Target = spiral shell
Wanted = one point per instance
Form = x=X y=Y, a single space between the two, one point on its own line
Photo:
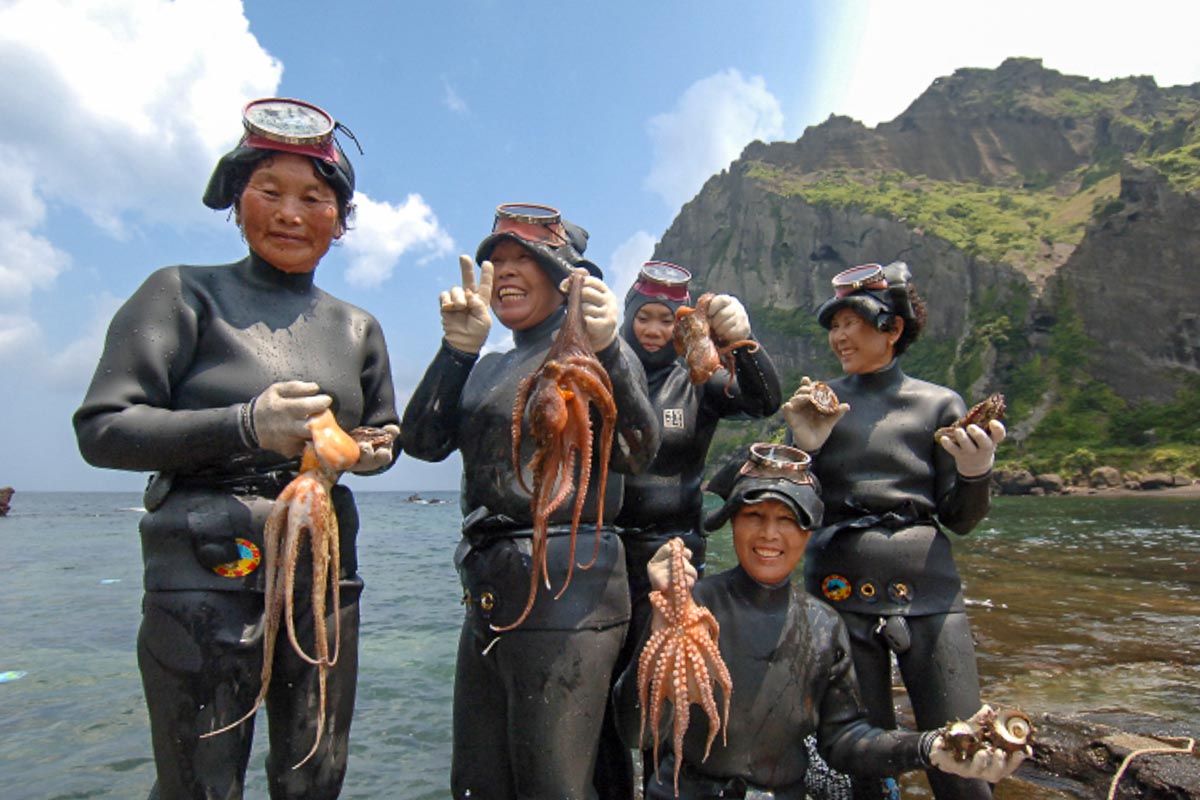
x=1011 y=729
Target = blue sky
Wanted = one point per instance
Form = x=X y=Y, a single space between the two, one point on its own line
x=614 y=112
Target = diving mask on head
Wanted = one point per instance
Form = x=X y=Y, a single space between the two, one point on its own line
x=767 y=471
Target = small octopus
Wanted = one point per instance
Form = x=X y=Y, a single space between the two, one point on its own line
x=304 y=510
x=704 y=354
x=680 y=663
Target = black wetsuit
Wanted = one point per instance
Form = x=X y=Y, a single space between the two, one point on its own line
x=528 y=703
x=183 y=355
x=788 y=656
x=666 y=500
x=890 y=493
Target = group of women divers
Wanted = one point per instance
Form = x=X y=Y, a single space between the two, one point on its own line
x=211 y=375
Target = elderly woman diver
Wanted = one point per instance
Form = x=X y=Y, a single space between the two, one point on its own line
x=215 y=379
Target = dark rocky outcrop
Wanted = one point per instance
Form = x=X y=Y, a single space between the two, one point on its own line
x=1108 y=254
x=6 y=493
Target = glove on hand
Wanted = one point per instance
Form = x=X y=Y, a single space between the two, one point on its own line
x=810 y=428
x=600 y=311
x=973 y=448
x=988 y=763
x=281 y=415
x=465 y=317
x=728 y=319
x=372 y=458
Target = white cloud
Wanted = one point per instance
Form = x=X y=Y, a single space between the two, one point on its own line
x=626 y=260
x=384 y=232
x=894 y=51
x=452 y=99
x=713 y=121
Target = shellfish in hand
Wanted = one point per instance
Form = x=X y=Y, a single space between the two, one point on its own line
x=558 y=395
x=304 y=511
x=980 y=414
x=989 y=745
x=700 y=347
x=681 y=663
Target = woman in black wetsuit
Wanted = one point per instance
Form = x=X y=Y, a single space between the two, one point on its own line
x=665 y=500
x=882 y=557
x=528 y=703
x=207 y=378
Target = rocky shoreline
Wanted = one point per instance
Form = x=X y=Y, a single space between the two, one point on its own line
x=1101 y=480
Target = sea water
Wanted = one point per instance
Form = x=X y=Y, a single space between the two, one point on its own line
x=1078 y=603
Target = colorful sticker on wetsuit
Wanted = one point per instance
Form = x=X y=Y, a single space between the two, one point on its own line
x=249 y=561
x=835 y=587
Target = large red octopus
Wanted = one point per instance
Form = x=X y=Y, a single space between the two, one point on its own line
x=695 y=341
x=304 y=510
x=556 y=397
x=680 y=663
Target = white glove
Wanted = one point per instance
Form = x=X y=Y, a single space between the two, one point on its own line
x=973 y=448
x=600 y=312
x=810 y=428
x=372 y=457
x=280 y=415
x=728 y=319
x=465 y=317
x=658 y=568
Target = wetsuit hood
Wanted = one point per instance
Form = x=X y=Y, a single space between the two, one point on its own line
x=741 y=481
x=232 y=172
x=556 y=261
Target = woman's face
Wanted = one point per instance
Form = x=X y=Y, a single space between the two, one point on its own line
x=768 y=540
x=654 y=327
x=522 y=294
x=288 y=214
x=860 y=346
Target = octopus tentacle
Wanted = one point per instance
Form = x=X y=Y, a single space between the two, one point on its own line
x=556 y=400
x=680 y=663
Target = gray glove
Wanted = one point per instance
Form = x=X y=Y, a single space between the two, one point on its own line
x=465 y=317
x=373 y=458
x=599 y=306
x=810 y=428
x=728 y=319
x=280 y=415
x=973 y=448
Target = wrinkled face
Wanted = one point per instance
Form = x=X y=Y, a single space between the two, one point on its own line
x=768 y=540
x=523 y=295
x=860 y=346
x=288 y=213
x=654 y=327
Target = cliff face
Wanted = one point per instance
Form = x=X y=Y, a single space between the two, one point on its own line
x=1020 y=198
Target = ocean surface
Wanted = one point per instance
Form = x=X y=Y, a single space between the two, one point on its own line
x=1078 y=603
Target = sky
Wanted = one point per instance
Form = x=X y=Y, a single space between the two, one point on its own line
x=115 y=112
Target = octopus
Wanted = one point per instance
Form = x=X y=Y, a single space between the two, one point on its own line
x=823 y=398
x=304 y=511
x=980 y=414
x=703 y=351
x=681 y=663
x=557 y=397
x=1004 y=728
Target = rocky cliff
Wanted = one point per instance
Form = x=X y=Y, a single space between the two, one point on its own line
x=1050 y=221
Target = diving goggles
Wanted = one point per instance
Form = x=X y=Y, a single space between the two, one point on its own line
x=531 y=222
x=769 y=460
x=866 y=276
x=292 y=126
x=663 y=279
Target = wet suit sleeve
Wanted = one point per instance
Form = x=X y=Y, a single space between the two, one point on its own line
x=962 y=502
x=755 y=389
x=126 y=420
x=844 y=737
x=379 y=395
x=638 y=431
x=429 y=430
